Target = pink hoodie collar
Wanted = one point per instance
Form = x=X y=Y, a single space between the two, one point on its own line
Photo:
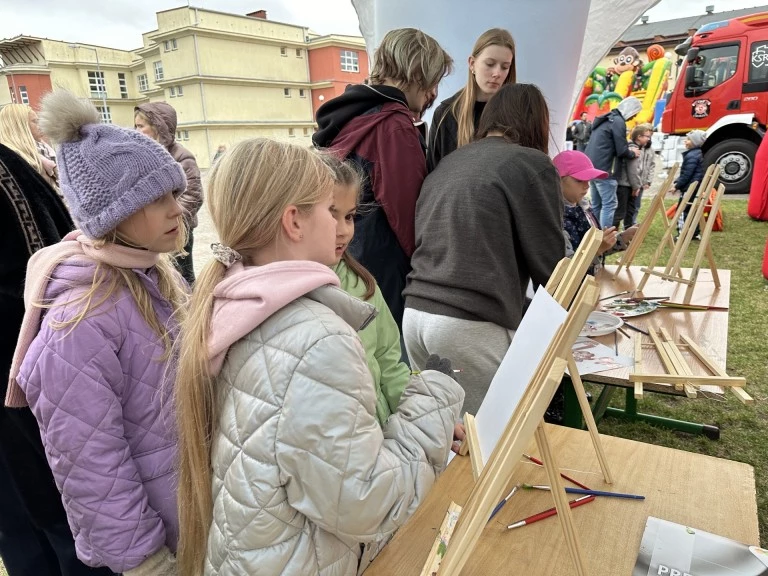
x=248 y=296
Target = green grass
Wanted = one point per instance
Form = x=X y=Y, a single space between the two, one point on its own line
x=744 y=429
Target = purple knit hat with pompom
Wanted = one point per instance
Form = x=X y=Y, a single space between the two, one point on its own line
x=107 y=173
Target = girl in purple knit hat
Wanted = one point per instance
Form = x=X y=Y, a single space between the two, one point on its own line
x=94 y=356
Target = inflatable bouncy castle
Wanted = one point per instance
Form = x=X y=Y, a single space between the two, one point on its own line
x=629 y=76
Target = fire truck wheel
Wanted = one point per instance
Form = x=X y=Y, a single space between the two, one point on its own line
x=736 y=158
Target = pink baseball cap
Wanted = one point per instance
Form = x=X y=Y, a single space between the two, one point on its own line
x=577 y=165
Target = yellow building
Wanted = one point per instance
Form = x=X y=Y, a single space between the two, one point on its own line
x=228 y=76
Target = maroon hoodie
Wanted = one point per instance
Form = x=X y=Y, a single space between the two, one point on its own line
x=373 y=126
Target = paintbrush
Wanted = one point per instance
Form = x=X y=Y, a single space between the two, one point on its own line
x=683 y=306
x=635 y=328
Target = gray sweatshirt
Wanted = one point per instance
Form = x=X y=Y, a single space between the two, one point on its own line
x=488 y=219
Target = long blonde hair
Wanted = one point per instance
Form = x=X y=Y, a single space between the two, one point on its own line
x=248 y=190
x=107 y=280
x=16 y=134
x=463 y=108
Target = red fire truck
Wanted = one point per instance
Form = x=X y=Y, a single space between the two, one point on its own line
x=723 y=89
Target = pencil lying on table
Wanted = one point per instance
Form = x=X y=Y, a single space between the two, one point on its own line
x=570 y=490
x=550 y=512
x=690 y=306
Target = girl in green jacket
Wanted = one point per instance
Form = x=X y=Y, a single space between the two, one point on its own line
x=380 y=338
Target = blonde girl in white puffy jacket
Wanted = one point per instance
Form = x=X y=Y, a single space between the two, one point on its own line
x=284 y=469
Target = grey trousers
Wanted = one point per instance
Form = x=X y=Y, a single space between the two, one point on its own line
x=476 y=348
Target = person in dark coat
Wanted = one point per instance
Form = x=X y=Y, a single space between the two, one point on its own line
x=373 y=126
x=35 y=538
x=606 y=149
x=582 y=130
x=691 y=171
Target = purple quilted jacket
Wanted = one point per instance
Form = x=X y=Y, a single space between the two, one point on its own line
x=103 y=401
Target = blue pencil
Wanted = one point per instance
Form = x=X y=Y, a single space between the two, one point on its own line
x=570 y=490
x=500 y=505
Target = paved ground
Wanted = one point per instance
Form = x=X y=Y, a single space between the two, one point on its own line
x=205 y=233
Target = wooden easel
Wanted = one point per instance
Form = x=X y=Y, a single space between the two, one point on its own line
x=672 y=271
x=679 y=373
x=565 y=280
x=526 y=422
x=657 y=206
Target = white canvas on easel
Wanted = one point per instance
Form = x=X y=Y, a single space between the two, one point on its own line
x=536 y=331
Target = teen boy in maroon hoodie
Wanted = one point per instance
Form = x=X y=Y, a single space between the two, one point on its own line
x=373 y=125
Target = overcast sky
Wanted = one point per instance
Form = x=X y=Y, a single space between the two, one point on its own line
x=120 y=23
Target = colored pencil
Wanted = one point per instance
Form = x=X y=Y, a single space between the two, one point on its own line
x=570 y=490
x=563 y=476
x=614 y=295
x=690 y=306
x=550 y=512
x=500 y=505
x=635 y=328
x=624 y=332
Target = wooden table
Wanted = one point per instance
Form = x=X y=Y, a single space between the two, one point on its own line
x=699 y=491
x=708 y=328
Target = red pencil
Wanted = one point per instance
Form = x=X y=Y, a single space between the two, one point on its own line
x=550 y=512
x=571 y=480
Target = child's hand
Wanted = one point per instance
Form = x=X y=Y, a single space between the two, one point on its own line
x=609 y=239
x=459 y=433
x=628 y=234
x=636 y=193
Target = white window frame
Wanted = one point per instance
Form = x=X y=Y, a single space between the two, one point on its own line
x=143 y=81
x=179 y=91
x=287 y=92
x=174 y=44
x=105 y=113
x=299 y=53
x=291 y=133
x=350 y=61
x=157 y=65
x=172 y=91
x=284 y=51
x=185 y=133
x=123 y=85
x=167 y=46
x=24 y=94
x=96 y=80
x=302 y=93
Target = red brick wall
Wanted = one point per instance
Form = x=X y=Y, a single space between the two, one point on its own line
x=36 y=85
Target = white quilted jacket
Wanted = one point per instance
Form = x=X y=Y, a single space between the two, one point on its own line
x=305 y=479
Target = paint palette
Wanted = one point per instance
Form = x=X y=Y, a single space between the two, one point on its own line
x=600 y=324
x=626 y=307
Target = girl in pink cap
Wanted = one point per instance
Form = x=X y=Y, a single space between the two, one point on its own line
x=576 y=171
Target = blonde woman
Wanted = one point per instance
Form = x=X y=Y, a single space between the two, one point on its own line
x=94 y=350
x=373 y=125
x=275 y=401
x=491 y=66
x=20 y=133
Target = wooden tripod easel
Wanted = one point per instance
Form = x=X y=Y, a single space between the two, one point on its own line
x=656 y=206
x=526 y=422
x=563 y=284
x=673 y=269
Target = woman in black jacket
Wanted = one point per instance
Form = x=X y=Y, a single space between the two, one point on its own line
x=491 y=66
x=35 y=538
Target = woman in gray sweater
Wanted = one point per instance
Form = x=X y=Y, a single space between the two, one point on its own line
x=488 y=220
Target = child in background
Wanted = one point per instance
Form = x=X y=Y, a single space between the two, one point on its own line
x=380 y=338
x=691 y=171
x=284 y=466
x=94 y=353
x=634 y=176
x=576 y=171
